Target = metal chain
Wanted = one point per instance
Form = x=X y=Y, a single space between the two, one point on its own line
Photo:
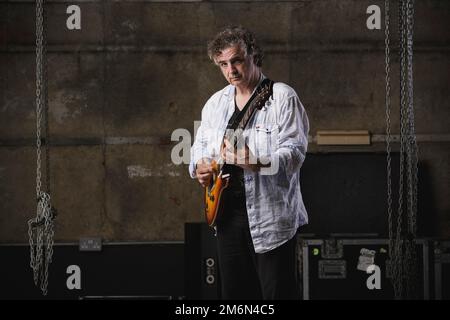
x=39 y=81
x=412 y=136
x=41 y=227
x=399 y=243
x=388 y=123
x=410 y=250
x=45 y=98
x=34 y=256
x=393 y=242
x=402 y=250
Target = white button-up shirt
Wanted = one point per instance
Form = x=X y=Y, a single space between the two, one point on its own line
x=278 y=133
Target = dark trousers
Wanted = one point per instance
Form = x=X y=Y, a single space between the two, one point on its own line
x=246 y=274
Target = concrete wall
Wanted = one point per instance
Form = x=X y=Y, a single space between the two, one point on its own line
x=137 y=70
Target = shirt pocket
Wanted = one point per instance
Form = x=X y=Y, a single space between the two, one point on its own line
x=266 y=136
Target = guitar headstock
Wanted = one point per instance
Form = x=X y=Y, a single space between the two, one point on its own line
x=262 y=96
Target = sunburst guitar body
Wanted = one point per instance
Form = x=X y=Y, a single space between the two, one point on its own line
x=213 y=194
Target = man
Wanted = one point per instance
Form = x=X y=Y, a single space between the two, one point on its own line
x=263 y=206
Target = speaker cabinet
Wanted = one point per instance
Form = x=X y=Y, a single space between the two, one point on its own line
x=201 y=264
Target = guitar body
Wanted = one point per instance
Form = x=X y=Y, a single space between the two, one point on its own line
x=213 y=195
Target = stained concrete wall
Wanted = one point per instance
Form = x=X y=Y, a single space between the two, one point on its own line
x=137 y=70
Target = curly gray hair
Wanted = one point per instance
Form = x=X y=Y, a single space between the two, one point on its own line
x=235 y=35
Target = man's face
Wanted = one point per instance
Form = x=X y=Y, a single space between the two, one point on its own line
x=235 y=66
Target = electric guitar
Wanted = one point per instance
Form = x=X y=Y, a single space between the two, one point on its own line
x=221 y=176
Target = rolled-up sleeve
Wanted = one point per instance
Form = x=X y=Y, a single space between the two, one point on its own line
x=292 y=137
x=200 y=147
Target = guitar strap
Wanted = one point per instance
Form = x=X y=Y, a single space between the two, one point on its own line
x=244 y=116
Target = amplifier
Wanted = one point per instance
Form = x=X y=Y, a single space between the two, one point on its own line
x=119 y=270
x=346 y=192
x=354 y=269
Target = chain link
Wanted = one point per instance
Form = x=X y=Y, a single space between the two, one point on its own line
x=41 y=228
x=392 y=248
x=39 y=82
x=45 y=98
x=411 y=256
x=399 y=257
x=388 y=116
x=402 y=250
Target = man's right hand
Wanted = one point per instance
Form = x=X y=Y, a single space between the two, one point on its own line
x=204 y=171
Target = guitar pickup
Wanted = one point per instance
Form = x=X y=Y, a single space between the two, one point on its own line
x=226 y=176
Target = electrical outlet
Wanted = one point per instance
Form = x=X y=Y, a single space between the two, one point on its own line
x=90 y=244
